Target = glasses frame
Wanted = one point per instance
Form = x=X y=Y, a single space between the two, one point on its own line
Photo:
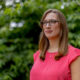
x=44 y=23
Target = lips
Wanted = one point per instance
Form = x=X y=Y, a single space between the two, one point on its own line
x=48 y=31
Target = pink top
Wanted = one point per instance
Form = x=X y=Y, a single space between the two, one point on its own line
x=50 y=69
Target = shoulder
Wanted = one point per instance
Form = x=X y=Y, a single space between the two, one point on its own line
x=73 y=50
x=73 y=54
x=36 y=54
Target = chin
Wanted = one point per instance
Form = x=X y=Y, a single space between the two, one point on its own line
x=52 y=36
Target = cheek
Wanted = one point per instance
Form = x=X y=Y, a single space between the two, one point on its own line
x=56 y=29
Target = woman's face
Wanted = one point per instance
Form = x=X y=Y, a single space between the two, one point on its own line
x=51 y=26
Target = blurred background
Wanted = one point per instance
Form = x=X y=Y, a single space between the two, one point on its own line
x=19 y=32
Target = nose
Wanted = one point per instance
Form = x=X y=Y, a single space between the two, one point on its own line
x=47 y=25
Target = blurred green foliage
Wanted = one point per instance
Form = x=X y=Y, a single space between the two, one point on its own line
x=18 y=43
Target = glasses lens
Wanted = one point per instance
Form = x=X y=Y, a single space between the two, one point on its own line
x=51 y=22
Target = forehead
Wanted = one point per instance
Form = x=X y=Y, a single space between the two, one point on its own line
x=51 y=16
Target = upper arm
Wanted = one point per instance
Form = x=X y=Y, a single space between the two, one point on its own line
x=75 y=69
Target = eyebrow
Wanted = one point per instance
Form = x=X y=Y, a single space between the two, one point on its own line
x=50 y=19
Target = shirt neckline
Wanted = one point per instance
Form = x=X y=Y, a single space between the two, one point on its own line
x=55 y=52
x=52 y=52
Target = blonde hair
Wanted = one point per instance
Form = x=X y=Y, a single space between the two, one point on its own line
x=44 y=42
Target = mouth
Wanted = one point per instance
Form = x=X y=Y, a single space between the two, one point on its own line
x=48 y=31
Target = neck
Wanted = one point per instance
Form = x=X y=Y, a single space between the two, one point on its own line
x=53 y=44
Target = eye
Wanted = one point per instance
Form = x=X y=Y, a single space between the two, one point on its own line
x=53 y=21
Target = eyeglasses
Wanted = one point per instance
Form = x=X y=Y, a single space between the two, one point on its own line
x=50 y=22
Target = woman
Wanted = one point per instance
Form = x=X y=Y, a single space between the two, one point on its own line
x=55 y=59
